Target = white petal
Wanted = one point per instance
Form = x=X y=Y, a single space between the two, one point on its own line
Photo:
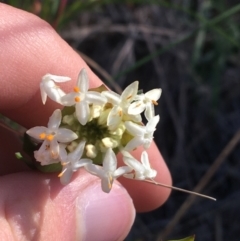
x=114 y=117
x=54 y=149
x=136 y=118
x=78 y=152
x=63 y=154
x=69 y=99
x=65 y=135
x=130 y=176
x=151 y=125
x=136 y=108
x=110 y=161
x=80 y=163
x=149 y=111
x=51 y=90
x=82 y=81
x=82 y=112
x=130 y=92
x=112 y=97
x=121 y=171
x=134 y=143
x=95 y=170
x=147 y=143
x=95 y=98
x=36 y=131
x=56 y=78
x=55 y=120
x=106 y=184
x=66 y=175
x=43 y=94
x=145 y=160
x=135 y=129
x=154 y=94
x=133 y=163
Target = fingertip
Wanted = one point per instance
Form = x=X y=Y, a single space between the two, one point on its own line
x=31 y=48
x=37 y=206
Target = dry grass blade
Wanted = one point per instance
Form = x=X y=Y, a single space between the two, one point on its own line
x=101 y=71
x=202 y=183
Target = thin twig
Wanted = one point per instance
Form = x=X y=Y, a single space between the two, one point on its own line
x=78 y=33
x=179 y=189
x=202 y=183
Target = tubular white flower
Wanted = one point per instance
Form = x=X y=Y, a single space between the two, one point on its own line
x=109 y=171
x=143 y=135
x=145 y=102
x=142 y=170
x=120 y=105
x=81 y=98
x=50 y=89
x=51 y=136
x=72 y=162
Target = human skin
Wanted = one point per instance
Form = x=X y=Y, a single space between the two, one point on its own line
x=35 y=206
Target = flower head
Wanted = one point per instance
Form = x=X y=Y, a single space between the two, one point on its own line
x=143 y=135
x=81 y=98
x=51 y=137
x=50 y=89
x=142 y=170
x=109 y=171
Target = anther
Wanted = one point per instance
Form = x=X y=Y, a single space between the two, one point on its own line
x=76 y=89
x=61 y=174
x=77 y=99
x=42 y=136
x=154 y=102
x=50 y=137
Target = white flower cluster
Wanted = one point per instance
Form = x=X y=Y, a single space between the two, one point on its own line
x=94 y=125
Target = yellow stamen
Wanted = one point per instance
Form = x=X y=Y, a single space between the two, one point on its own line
x=50 y=137
x=76 y=89
x=110 y=181
x=61 y=174
x=138 y=105
x=77 y=99
x=130 y=96
x=154 y=102
x=42 y=136
x=120 y=113
x=65 y=163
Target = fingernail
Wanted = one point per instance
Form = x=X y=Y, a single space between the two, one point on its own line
x=104 y=216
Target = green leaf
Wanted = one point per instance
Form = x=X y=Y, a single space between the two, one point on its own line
x=99 y=89
x=55 y=167
x=190 y=238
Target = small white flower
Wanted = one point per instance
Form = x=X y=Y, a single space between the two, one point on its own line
x=51 y=136
x=72 y=162
x=145 y=102
x=120 y=105
x=50 y=89
x=142 y=170
x=143 y=135
x=109 y=171
x=81 y=98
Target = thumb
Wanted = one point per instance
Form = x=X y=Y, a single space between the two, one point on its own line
x=37 y=207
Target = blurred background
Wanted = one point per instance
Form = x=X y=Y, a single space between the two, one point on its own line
x=190 y=49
